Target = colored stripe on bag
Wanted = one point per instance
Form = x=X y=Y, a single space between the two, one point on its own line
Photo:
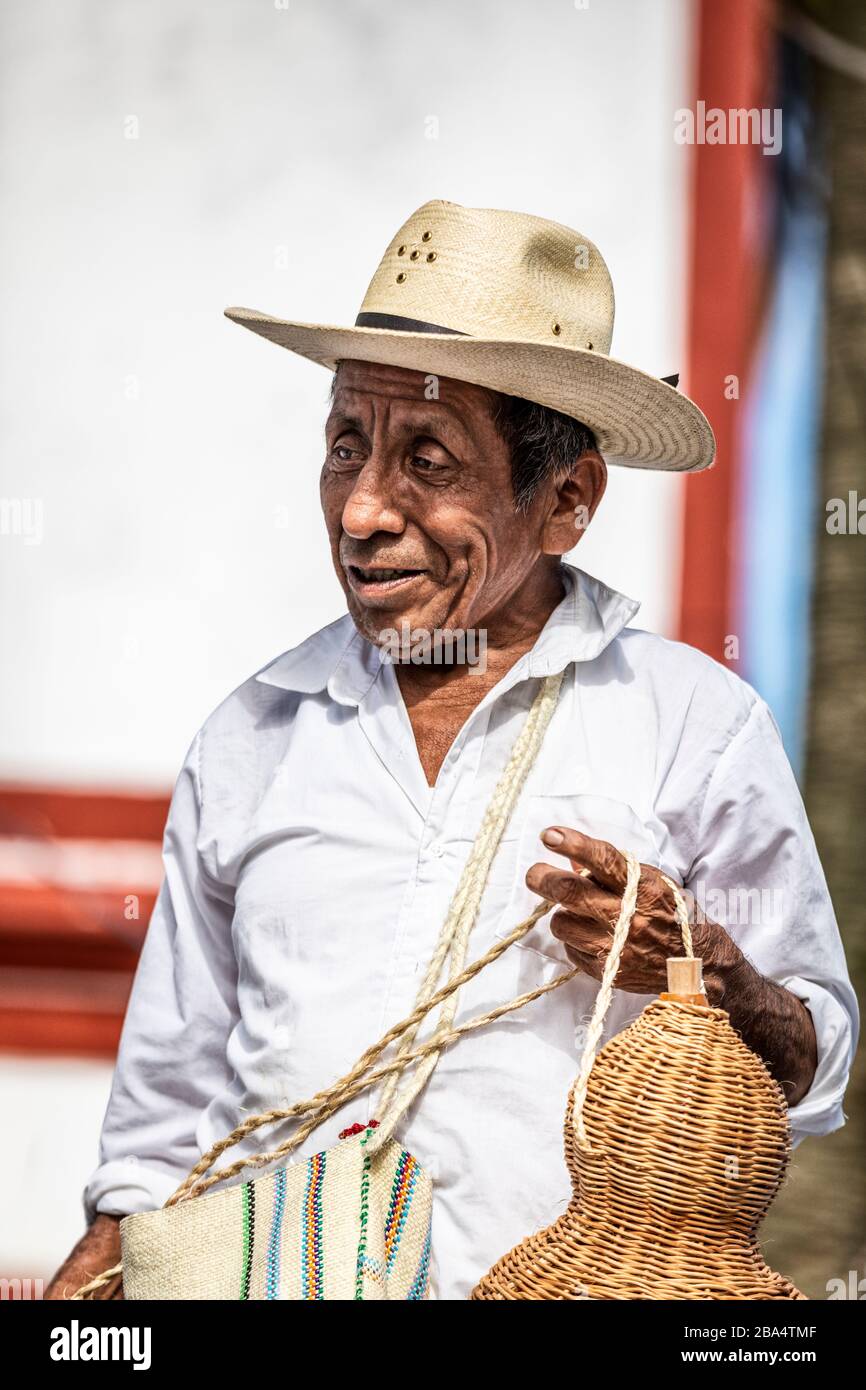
x=272 y=1277
x=419 y=1284
x=398 y=1210
x=249 y=1222
x=312 y=1274
x=362 y=1237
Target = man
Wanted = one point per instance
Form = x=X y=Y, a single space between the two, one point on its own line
x=320 y=823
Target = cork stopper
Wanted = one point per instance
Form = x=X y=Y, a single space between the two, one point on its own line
x=685 y=979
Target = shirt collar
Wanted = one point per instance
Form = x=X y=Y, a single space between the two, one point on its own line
x=339 y=659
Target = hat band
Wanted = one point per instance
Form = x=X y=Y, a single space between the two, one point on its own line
x=369 y=319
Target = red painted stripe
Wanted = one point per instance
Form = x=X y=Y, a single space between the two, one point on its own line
x=73 y=915
x=70 y=1033
x=85 y=813
x=82 y=920
x=62 y=1011
x=735 y=49
x=58 y=990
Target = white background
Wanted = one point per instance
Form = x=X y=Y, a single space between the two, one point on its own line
x=182 y=543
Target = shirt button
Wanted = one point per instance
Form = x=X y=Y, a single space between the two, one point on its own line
x=437 y=849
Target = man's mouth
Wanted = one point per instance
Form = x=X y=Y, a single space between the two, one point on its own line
x=378 y=578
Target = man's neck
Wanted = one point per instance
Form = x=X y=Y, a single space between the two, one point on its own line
x=508 y=636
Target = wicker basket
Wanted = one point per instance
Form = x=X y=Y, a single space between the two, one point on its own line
x=686 y=1144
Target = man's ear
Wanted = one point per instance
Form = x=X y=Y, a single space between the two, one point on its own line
x=575 y=499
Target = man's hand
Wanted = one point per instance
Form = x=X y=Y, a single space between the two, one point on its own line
x=590 y=895
x=98 y=1249
x=772 y=1021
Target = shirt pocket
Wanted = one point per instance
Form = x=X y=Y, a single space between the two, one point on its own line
x=602 y=817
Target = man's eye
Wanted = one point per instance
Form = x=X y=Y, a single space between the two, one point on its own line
x=425 y=464
x=343 y=453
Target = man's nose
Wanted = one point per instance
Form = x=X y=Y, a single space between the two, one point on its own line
x=371 y=505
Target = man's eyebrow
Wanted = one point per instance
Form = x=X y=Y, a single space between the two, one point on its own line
x=445 y=425
x=345 y=420
x=434 y=425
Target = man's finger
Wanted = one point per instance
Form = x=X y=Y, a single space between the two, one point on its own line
x=603 y=860
x=586 y=944
x=582 y=895
x=584 y=934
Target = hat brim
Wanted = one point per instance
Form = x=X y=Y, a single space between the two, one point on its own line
x=638 y=420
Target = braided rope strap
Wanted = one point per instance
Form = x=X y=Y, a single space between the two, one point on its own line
x=451 y=944
x=361 y=1077
x=603 y=999
x=463 y=913
x=452 y=941
x=325 y=1103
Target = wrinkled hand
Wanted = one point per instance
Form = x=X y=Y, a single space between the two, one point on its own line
x=590 y=905
x=98 y=1249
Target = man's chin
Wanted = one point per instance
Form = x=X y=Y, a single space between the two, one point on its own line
x=379 y=624
x=397 y=622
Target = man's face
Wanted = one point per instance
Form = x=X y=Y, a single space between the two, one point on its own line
x=418 y=502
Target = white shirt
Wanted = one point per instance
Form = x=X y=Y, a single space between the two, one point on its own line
x=309 y=866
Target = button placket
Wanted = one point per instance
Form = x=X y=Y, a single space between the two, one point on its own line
x=436 y=871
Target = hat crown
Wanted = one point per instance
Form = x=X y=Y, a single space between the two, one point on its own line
x=496 y=274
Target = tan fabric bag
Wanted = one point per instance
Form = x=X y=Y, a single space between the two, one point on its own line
x=341 y=1225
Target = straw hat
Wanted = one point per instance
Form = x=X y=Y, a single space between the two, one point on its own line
x=519 y=305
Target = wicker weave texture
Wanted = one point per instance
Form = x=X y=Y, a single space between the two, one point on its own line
x=687 y=1145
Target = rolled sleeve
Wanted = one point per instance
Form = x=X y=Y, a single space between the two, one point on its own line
x=820 y=1111
x=182 y=1009
x=758 y=874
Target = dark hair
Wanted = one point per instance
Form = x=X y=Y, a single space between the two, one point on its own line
x=544 y=443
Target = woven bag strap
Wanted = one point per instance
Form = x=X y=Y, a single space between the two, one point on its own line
x=463 y=912
x=326 y=1102
x=611 y=967
x=313 y=1112
x=452 y=940
x=361 y=1078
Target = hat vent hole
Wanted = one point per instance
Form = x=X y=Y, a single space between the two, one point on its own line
x=557 y=329
x=401 y=250
x=401 y=277
x=425 y=236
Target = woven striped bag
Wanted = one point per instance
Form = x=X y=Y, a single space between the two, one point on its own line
x=341 y=1225
x=351 y=1222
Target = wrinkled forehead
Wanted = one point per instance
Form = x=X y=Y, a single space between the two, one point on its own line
x=358 y=384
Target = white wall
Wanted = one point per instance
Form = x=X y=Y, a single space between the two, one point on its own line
x=54 y=1109
x=164 y=575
